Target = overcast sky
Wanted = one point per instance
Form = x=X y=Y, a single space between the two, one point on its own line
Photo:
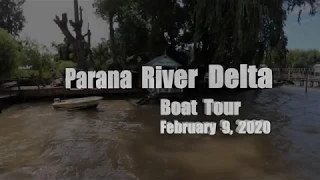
x=40 y=25
x=40 y=15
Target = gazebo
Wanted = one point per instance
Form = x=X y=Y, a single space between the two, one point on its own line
x=167 y=63
x=164 y=61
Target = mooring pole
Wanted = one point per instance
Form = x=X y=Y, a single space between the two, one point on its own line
x=306 y=79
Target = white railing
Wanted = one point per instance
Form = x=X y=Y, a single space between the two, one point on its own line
x=293 y=69
x=290 y=74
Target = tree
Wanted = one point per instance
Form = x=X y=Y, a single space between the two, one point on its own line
x=11 y=16
x=78 y=43
x=64 y=51
x=108 y=9
x=101 y=55
x=225 y=32
x=37 y=57
x=9 y=53
x=297 y=58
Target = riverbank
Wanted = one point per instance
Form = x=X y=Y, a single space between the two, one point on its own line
x=23 y=94
x=47 y=93
x=41 y=92
x=35 y=92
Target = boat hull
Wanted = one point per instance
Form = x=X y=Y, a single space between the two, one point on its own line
x=76 y=108
x=76 y=104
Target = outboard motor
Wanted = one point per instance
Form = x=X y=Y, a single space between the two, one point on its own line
x=56 y=100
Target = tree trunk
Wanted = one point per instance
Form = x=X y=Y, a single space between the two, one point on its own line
x=77 y=42
x=112 y=38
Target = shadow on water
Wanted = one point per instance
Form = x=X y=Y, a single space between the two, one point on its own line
x=121 y=141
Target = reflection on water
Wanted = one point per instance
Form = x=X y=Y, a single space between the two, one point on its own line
x=122 y=141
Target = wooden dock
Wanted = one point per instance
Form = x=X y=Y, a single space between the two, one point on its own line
x=8 y=96
x=32 y=92
x=300 y=76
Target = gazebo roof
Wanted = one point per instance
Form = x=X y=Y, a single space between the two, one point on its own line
x=163 y=60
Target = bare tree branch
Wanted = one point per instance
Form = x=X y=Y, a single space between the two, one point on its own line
x=63 y=25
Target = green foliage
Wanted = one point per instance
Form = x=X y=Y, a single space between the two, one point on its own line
x=38 y=58
x=9 y=53
x=145 y=27
x=303 y=58
x=65 y=51
x=101 y=55
x=60 y=66
x=226 y=32
x=105 y=8
x=108 y=10
x=11 y=16
x=295 y=58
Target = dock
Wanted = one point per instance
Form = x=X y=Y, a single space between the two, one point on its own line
x=8 y=96
x=299 y=76
x=38 y=92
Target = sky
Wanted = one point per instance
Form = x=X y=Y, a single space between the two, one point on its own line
x=304 y=35
x=40 y=25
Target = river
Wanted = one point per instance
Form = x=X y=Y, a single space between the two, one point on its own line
x=120 y=141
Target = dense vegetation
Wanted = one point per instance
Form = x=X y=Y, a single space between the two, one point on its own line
x=26 y=58
x=226 y=32
x=11 y=16
x=9 y=53
x=302 y=58
x=207 y=31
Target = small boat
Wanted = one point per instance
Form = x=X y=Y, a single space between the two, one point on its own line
x=77 y=103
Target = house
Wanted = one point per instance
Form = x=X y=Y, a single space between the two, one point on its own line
x=316 y=68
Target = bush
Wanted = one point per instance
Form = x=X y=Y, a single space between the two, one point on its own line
x=60 y=66
x=9 y=54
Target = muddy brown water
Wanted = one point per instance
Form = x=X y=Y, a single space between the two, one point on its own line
x=120 y=141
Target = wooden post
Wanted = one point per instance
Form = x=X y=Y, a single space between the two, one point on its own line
x=18 y=82
x=38 y=82
x=306 y=80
